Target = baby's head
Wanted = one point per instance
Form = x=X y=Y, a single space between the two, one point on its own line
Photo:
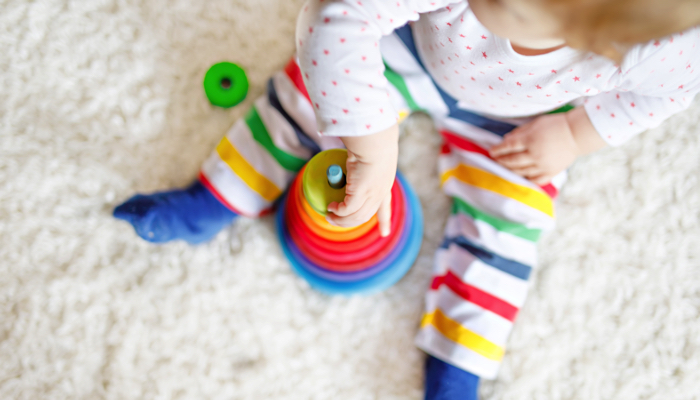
x=606 y=27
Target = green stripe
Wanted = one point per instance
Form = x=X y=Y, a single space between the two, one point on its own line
x=562 y=109
x=400 y=85
x=260 y=134
x=460 y=206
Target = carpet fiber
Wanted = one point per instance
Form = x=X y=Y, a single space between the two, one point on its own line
x=100 y=99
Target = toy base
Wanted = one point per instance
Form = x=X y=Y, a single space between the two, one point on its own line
x=372 y=284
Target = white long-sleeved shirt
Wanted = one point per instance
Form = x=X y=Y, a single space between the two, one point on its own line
x=338 y=48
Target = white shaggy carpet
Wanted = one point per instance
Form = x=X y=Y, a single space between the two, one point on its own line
x=102 y=98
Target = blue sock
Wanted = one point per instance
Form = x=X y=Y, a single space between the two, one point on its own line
x=447 y=382
x=192 y=214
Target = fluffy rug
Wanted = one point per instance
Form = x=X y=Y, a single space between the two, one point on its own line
x=103 y=98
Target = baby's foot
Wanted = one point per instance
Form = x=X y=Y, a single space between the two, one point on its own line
x=192 y=214
x=444 y=381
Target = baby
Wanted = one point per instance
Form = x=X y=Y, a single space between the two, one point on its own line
x=518 y=89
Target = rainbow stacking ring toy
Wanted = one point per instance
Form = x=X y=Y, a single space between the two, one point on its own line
x=225 y=84
x=337 y=260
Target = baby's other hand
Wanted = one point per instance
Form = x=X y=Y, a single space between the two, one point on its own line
x=538 y=150
x=371 y=170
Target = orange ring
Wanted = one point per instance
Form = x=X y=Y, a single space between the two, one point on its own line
x=319 y=231
x=322 y=223
x=315 y=216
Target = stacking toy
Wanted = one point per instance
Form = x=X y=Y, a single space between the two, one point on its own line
x=225 y=84
x=338 y=260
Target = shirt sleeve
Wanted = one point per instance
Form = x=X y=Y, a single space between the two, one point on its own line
x=339 y=56
x=654 y=81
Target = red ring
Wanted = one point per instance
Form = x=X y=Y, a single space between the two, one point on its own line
x=376 y=249
x=354 y=245
x=348 y=246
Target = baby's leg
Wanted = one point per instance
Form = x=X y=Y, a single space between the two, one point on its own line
x=245 y=174
x=482 y=268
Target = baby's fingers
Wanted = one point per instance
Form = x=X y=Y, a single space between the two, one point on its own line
x=528 y=172
x=350 y=205
x=541 y=180
x=515 y=160
x=512 y=143
x=355 y=219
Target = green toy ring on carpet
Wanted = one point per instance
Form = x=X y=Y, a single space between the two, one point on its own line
x=225 y=84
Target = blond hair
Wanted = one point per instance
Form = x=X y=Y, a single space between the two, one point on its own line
x=611 y=27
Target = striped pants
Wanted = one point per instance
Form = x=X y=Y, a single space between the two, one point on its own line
x=482 y=268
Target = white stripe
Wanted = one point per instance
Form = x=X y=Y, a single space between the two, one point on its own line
x=280 y=131
x=440 y=261
x=560 y=179
x=478 y=136
x=448 y=161
x=473 y=271
x=486 y=236
x=434 y=343
x=232 y=188
x=420 y=84
x=300 y=110
x=295 y=104
x=498 y=205
x=484 y=323
x=257 y=156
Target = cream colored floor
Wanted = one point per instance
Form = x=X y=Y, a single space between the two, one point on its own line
x=101 y=99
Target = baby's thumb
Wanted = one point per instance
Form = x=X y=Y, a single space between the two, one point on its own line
x=384 y=216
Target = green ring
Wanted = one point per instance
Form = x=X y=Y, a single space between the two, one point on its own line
x=225 y=97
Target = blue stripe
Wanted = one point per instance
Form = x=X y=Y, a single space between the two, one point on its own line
x=304 y=139
x=498 y=127
x=511 y=267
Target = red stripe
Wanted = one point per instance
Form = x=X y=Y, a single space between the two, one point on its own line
x=207 y=184
x=294 y=73
x=551 y=190
x=476 y=296
x=463 y=143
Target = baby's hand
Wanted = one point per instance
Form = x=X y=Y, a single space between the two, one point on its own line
x=371 y=168
x=538 y=150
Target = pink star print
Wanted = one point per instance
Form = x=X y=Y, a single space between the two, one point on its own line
x=576 y=79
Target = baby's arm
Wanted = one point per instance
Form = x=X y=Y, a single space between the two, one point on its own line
x=338 y=49
x=655 y=81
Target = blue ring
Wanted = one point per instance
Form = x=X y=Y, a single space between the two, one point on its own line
x=376 y=283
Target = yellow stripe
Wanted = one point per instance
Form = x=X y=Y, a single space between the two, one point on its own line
x=255 y=180
x=457 y=333
x=494 y=183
